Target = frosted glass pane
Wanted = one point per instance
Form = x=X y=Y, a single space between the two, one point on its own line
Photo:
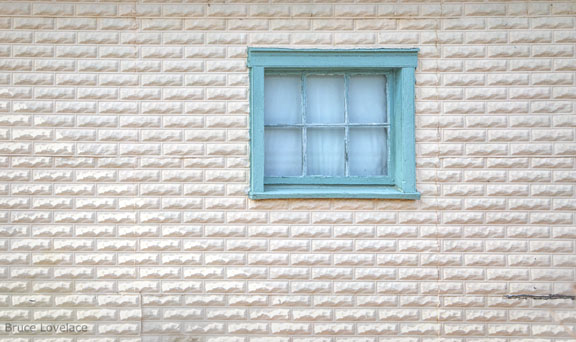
x=325 y=99
x=367 y=99
x=325 y=151
x=282 y=100
x=283 y=152
x=367 y=151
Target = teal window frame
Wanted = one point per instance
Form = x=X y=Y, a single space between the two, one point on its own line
x=399 y=67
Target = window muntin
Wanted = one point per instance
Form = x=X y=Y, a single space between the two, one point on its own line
x=342 y=124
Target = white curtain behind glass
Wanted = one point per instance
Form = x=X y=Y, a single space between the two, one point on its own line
x=367 y=151
x=282 y=104
x=325 y=104
x=367 y=145
x=367 y=99
x=326 y=151
x=283 y=146
x=283 y=152
x=325 y=99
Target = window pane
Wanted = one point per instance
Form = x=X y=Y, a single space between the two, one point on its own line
x=283 y=152
x=325 y=151
x=367 y=151
x=325 y=99
x=367 y=97
x=282 y=104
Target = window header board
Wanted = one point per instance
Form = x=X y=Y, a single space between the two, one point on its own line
x=320 y=58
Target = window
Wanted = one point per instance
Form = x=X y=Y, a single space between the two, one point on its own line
x=332 y=123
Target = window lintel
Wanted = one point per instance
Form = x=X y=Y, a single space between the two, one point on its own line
x=332 y=58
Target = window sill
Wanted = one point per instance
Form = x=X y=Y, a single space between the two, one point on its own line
x=374 y=192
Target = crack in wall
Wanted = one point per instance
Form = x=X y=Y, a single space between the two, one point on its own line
x=540 y=297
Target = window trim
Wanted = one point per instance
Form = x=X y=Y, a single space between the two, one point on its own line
x=400 y=63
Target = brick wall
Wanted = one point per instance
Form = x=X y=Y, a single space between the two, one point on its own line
x=124 y=168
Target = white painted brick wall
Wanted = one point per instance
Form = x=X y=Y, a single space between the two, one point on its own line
x=124 y=165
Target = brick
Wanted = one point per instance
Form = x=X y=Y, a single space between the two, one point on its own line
x=552 y=23
x=485 y=10
x=227 y=11
x=33 y=23
x=355 y=10
x=552 y=79
x=418 y=24
x=140 y=38
x=464 y=24
x=530 y=65
x=507 y=23
x=269 y=10
x=183 y=10
x=289 y=25
x=16 y=9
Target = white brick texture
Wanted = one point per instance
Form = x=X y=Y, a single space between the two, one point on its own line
x=124 y=166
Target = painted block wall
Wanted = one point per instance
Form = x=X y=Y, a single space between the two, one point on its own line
x=124 y=165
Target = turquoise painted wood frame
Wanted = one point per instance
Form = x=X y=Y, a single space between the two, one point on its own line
x=399 y=66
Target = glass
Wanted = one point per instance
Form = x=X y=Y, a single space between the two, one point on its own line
x=325 y=99
x=368 y=151
x=282 y=99
x=367 y=99
x=282 y=152
x=325 y=151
